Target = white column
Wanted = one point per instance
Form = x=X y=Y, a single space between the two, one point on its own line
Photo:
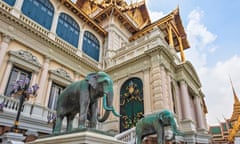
x=34 y=78
x=52 y=33
x=80 y=41
x=48 y=92
x=185 y=100
x=5 y=77
x=163 y=86
x=178 y=100
x=3 y=48
x=43 y=80
x=169 y=89
x=146 y=91
x=199 y=112
x=16 y=11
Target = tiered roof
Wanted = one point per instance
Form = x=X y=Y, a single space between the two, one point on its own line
x=134 y=17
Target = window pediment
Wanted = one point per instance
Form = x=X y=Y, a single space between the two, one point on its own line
x=25 y=58
x=61 y=76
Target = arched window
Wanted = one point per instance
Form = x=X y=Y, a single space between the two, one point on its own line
x=68 y=29
x=40 y=11
x=131 y=103
x=10 y=2
x=91 y=45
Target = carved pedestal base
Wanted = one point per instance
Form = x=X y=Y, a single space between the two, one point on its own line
x=81 y=137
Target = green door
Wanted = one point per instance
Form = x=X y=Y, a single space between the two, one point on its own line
x=131 y=103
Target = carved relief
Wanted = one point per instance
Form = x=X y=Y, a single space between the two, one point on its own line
x=26 y=56
x=62 y=73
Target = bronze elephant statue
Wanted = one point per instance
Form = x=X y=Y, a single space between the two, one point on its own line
x=82 y=97
x=154 y=124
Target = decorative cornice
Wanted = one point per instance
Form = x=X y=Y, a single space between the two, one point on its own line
x=189 y=72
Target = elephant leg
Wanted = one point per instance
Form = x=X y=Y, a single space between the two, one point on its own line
x=139 y=139
x=160 y=132
x=93 y=116
x=69 y=123
x=84 y=105
x=58 y=125
x=138 y=134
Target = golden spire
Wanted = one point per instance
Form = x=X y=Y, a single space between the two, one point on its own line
x=236 y=100
x=236 y=106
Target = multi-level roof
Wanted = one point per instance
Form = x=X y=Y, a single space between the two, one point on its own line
x=134 y=17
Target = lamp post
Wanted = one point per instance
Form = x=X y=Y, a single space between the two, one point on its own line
x=22 y=90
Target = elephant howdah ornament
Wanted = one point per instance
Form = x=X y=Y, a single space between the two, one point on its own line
x=82 y=97
x=154 y=124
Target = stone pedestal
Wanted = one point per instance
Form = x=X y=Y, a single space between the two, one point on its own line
x=79 y=137
x=12 y=138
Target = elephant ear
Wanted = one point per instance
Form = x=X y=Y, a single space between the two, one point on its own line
x=92 y=79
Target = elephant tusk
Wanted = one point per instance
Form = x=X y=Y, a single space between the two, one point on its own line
x=109 y=108
x=105 y=104
x=116 y=114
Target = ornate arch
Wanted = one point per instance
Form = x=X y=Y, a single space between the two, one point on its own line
x=131 y=103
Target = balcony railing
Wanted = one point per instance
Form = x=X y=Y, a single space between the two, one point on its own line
x=127 y=136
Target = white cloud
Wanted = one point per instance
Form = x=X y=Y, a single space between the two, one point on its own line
x=154 y=15
x=217 y=88
x=201 y=40
x=215 y=80
x=198 y=33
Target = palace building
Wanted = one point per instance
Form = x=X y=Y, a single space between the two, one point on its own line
x=57 y=42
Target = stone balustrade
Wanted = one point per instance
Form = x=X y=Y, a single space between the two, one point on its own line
x=37 y=28
x=127 y=136
x=30 y=114
x=5 y=6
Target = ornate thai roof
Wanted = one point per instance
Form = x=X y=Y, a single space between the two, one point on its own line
x=172 y=19
x=134 y=16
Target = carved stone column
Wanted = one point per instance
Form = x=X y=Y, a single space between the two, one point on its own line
x=199 y=113
x=185 y=100
x=49 y=85
x=3 y=47
x=34 y=78
x=187 y=122
x=178 y=99
x=43 y=80
x=5 y=77
x=146 y=91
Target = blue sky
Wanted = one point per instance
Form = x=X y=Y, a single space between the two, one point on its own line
x=213 y=31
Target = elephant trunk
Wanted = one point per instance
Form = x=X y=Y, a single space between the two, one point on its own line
x=107 y=101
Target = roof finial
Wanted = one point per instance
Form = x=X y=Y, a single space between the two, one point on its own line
x=236 y=100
